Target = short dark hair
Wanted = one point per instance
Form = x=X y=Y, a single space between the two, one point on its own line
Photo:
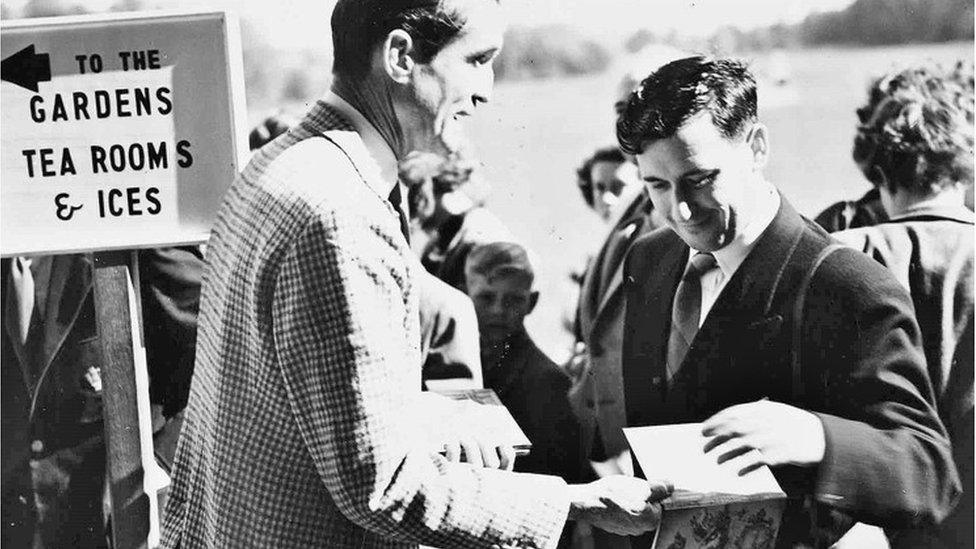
x=671 y=95
x=494 y=259
x=917 y=129
x=359 y=25
x=584 y=173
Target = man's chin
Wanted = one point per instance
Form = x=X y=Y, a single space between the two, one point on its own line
x=451 y=137
x=702 y=241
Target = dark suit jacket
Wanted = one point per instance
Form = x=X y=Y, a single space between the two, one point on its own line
x=533 y=389
x=56 y=422
x=930 y=251
x=888 y=460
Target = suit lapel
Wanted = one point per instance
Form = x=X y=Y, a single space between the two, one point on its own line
x=619 y=250
x=616 y=251
x=9 y=315
x=657 y=264
x=590 y=292
x=743 y=302
x=70 y=285
x=658 y=298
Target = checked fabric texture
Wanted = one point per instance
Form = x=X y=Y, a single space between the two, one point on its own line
x=302 y=428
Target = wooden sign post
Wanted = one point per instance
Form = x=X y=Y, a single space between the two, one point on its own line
x=134 y=516
x=119 y=132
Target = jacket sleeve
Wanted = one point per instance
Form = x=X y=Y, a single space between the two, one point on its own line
x=340 y=322
x=449 y=329
x=170 y=280
x=888 y=459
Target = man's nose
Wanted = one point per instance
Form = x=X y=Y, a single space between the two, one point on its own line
x=482 y=92
x=496 y=309
x=682 y=205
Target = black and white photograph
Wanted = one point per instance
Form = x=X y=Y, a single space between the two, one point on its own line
x=542 y=274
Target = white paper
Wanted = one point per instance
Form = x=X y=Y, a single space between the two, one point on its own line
x=676 y=453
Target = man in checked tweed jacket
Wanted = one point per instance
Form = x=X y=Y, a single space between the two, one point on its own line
x=305 y=425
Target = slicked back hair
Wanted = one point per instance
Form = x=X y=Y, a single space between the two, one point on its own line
x=358 y=26
x=671 y=95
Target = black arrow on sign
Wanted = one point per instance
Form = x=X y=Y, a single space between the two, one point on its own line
x=26 y=68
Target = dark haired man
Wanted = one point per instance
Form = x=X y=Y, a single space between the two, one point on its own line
x=741 y=318
x=915 y=144
x=306 y=426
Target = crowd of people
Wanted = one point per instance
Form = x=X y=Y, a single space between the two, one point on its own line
x=355 y=270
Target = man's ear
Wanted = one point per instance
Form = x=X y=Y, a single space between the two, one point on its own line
x=758 y=140
x=533 y=301
x=397 y=62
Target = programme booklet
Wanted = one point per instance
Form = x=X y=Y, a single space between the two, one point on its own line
x=713 y=505
x=493 y=417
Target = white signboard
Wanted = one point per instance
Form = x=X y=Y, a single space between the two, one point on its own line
x=119 y=131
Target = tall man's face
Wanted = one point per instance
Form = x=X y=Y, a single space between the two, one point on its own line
x=703 y=184
x=456 y=80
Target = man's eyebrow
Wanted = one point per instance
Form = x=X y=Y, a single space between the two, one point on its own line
x=701 y=174
x=652 y=179
x=487 y=51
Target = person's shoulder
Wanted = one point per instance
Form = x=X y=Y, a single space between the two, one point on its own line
x=857 y=239
x=854 y=277
x=649 y=245
x=310 y=176
x=542 y=369
x=312 y=166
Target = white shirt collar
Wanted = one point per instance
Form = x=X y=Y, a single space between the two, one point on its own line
x=731 y=256
x=377 y=147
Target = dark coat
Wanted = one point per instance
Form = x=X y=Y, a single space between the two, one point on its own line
x=533 y=389
x=597 y=396
x=888 y=459
x=930 y=251
x=53 y=442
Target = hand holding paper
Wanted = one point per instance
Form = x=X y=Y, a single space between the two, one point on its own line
x=622 y=505
x=782 y=434
x=472 y=426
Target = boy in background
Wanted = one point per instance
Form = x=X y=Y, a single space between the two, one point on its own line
x=532 y=387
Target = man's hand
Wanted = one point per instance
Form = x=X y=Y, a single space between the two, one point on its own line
x=781 y=434
x=480 y=453
x=467 y=432
x=621 y=505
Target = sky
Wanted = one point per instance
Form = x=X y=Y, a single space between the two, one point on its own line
x=303 y=24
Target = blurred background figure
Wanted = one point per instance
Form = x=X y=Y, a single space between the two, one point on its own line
x=915 y=145
x=850 y=214
x=53 y=431
x=449 y=328
x=608 y=182
x=500 y=279
x=447 y=198
x=500 y=282
x=270 y=128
